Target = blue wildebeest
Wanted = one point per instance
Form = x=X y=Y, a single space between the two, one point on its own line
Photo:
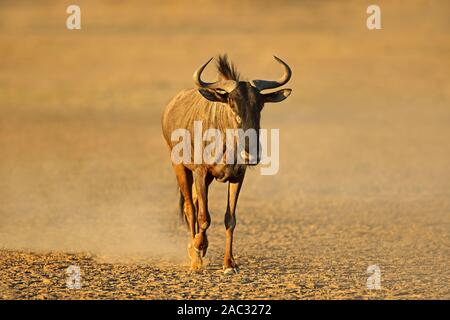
x=228 y=103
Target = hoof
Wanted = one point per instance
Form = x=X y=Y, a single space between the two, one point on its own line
x=230 y=271
x=196 y=265
x=195 y=256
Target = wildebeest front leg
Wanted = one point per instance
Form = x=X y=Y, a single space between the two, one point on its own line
x=229 y=265
x=202 y=180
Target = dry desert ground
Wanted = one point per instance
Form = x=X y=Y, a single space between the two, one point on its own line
x=364 y=177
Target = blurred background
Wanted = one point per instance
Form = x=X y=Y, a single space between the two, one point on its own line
x=364 y=175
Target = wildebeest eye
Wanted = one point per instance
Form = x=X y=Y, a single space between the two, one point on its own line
x=220 y=91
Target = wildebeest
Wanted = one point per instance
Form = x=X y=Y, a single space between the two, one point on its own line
x=228 y=103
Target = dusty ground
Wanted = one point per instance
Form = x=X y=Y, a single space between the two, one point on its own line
x=85 y=177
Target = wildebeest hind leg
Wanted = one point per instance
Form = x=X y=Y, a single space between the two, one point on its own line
x=185 y=182
x=195 y=201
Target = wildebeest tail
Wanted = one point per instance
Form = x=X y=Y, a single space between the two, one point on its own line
x=181 y=213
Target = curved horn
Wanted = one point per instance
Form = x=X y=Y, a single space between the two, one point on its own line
x=226 y=85
x=267 y=84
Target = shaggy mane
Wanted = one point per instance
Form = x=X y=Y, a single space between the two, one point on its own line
x=227 y=70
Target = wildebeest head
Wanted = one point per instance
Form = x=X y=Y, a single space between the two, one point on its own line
x=245 y=98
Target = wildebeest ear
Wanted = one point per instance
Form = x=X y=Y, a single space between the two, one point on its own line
x=277 y=96
x=214 y=95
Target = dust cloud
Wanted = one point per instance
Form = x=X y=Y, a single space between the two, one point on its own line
x=85 y=187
